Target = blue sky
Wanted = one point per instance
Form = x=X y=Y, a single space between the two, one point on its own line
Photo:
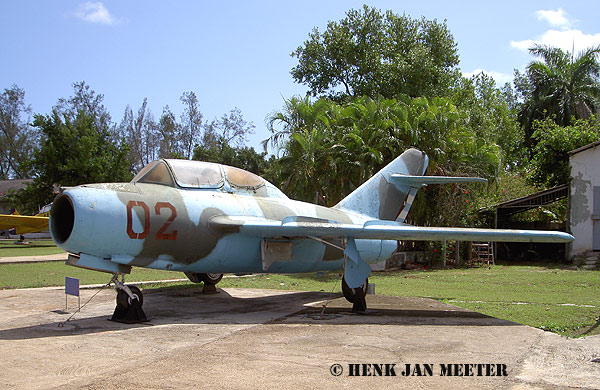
x=237 y=53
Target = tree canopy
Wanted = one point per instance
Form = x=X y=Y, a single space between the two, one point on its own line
x=17 y=138
x=331 y=148
x=550 y=162
x=561 y=86
x=370 y=53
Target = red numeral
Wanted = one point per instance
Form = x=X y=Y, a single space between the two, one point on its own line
x=130 y=205
x=160 y=234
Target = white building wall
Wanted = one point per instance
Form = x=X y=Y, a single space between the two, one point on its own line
x=585 y=174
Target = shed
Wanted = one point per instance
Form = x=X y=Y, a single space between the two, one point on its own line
x=584 y=201
x=8 y=186
x=515 y=250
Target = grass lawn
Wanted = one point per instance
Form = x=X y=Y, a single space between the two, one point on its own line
x=9 y=248
x=547 y=297
x=551 y=298
x=52 y=273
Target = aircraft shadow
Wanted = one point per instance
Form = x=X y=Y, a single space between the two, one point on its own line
x=189 y=306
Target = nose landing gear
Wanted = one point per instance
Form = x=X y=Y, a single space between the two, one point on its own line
x=129 y=302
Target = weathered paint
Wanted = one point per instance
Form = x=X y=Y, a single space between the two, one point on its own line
x=596 y=220
x=379 y=197
x=221 y=226
x=585 y=175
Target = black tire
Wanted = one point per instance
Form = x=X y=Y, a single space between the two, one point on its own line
x=349 y=293
x=197 y=277
x=124 y=301
x=194 y=277
x=211 y=278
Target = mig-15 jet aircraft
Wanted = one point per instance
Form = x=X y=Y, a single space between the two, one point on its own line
x=206 y=219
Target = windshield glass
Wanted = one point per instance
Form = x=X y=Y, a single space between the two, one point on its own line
x=196 y=174
x=240 y=178
x=154 y=173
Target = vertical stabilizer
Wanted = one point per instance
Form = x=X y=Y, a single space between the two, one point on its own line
x=381 y=197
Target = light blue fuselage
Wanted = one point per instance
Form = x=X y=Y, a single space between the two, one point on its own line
x=122 y=223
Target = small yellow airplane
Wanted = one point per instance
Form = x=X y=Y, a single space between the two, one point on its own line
x=26 y=223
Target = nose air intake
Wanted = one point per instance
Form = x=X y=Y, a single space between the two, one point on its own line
x=62 y=219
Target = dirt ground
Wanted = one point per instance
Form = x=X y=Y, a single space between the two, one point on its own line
x=243 y=338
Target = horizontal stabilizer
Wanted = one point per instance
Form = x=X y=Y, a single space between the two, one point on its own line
x=420 y=181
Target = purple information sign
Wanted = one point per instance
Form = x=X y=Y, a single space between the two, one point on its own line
x=72 y=286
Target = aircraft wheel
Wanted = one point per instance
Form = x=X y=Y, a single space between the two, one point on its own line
x=194 y=277
x=211 y=278
x=197 y=277
x=349 y=292
x=136 y=293
x=123 y=299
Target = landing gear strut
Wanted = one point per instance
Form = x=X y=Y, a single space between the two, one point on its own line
x=129 y=302
x=356 y=296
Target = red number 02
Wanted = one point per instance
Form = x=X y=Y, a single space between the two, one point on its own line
x=160 y=234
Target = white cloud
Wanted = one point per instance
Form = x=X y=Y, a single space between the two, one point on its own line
x=94 y=12
x=563 y=36
x=556 y=18
x=566 y=40
x=499 y=78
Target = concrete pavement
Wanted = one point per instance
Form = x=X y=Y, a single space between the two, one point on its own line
x=34 y=259
x=246 y=338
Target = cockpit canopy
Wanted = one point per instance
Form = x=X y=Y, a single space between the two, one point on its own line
x=205 y=175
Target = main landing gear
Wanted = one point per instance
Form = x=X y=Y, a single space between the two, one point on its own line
x=129 y=302
x=356 y=296
x=210 y=281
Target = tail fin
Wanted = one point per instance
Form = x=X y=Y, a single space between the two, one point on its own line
x=381 y=196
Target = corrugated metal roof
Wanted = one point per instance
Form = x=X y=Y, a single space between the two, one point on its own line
x=586 y=147
x=524 y=203
x=14 y=185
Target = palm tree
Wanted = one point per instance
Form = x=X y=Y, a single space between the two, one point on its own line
x=299 y=114
x=561 y=86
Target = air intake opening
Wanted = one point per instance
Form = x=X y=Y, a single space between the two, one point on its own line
x=62 y=218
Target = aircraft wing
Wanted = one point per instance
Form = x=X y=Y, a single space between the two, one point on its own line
x=23 y=223
x=376 y=229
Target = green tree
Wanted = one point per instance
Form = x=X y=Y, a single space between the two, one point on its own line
x=373 y=53
x=242 y=157
x=561 y=86
x=331 y=148
x=168 y=133
x=298 y=114
x=140 y=132
x=550 y=162
x=230 y=128
x=72 y=153
x=305 y=164
x=492 y=115
x=17 y=138
x=191 y=123
x=85 y=100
